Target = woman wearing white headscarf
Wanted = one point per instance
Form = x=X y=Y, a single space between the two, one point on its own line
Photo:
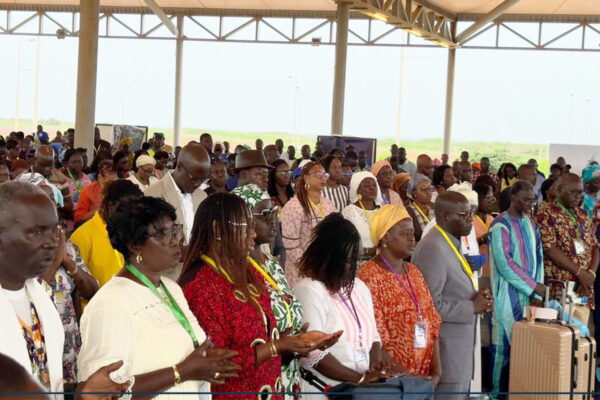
x=365 y=198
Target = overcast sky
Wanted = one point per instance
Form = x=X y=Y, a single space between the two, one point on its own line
x=521 y=96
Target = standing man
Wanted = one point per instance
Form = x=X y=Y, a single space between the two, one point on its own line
x=404 y=164
x=259 y=144
x=445 y=159
x=569 y=240
x=464 y=156
x=484 y=163
x=455 y=291
x=425 y=166
x=516 y=273
x=305 y=152
x=465 y=173
x=157 y=143
x=181 y=188
x=41 y=135
x=282 y=154
x=207 y=141
x=591 y=186
x=291 y=155
x=271 y=153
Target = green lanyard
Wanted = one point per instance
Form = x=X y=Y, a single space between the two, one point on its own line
x=75 y=181
x=172 y=304
x=571 y=216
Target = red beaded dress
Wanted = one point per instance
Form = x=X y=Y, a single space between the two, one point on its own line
x=235 y=324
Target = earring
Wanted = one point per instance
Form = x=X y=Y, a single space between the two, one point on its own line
x=359 y=196
x=218 y=238
x=307 y=186
x=138 y=258
x=385 y=245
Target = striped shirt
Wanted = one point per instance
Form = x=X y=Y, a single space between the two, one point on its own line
x=338 y=195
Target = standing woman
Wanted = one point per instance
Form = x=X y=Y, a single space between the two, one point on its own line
x=285 y=306
x=77 y=179
x=302 y=213
x=143 y=319
x=365 y=198
x=421 y=209
x=280 y=183
x=334 y=190
x=144 y=173
x=333 y=299
x=121 y=162
x=89 y=197
x=443 y=178
x=482 y=219
x=400 y=185
x=509 y=175
x=384 y=173
x=406 y=317
x=230 y=298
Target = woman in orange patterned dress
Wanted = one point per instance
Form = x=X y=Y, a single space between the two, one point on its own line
x=406 y=317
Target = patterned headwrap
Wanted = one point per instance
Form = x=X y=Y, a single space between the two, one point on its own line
x=251 y=194
x=384 y=218
x=400 y=180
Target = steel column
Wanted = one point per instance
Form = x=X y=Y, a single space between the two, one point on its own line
x=178 y=79
x=339 y=83
x=86 y=75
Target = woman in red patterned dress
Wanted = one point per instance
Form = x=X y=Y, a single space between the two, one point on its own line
x=231 y=301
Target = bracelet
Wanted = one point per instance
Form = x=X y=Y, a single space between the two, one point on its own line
x=74 y=272
x=257 y=341
x=591 y=272
x=578 y=271
x=176 y=375
x=362 y=378
x=273 y=349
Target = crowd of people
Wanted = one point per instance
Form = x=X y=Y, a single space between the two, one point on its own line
x=203 y=270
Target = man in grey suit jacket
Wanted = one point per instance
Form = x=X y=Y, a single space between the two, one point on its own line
x=455 y=294
x=181 y=189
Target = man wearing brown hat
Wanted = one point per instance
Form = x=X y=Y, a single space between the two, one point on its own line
x=251 y=167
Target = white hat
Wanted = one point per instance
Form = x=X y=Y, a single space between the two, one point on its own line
x=144 y=160
x=466 y=190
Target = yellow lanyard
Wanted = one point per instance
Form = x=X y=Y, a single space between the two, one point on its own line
x=275 y=286
x=220 y=269
x=480 y=220
x=425 y=217
x=462 y=259
x=364 y=210
x=314 y=206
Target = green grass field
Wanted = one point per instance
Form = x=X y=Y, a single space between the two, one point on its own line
x=498 y=152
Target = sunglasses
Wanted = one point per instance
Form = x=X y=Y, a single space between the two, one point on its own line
x=267 y=213
x=167 y=236
x=284 y=173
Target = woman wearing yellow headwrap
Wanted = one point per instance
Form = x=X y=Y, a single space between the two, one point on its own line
x=407 y=320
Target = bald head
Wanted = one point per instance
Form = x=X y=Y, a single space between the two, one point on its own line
x=425 y=165
x=527 y=173
x=43 y=162
x=569 y=190
x=453 y=213
x=193 y=166
x=271 y=153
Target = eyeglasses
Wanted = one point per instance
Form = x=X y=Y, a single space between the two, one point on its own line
x=320 y=175
x=426 y=189
x=348 y=174
x=284 y=173
x=167 y=236
x=248 y=225
x=194 y=179
x=267 y=213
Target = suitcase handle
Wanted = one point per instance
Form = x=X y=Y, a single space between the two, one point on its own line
x=576 y=375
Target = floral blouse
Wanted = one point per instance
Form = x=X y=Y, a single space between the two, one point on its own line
x=290 y=373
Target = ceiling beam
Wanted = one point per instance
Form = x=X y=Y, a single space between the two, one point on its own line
x=162 y=16
x=484 y=20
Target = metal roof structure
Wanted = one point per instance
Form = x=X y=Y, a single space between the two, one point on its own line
x=452 y=24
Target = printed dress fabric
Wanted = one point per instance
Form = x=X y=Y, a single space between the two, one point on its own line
x=297 y=230
x=338 y=195
x=290 y=373
x=233 y=324
x=396 y=315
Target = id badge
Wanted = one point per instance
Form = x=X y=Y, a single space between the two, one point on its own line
x=420 y=335
x=579 y=247
x=361 y=359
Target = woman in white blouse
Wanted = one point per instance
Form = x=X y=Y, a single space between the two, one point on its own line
x=144 y=172
x=365 y=198
x=143 y=319
x=334 y=299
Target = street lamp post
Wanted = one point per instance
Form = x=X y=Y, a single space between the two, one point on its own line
x=296 y=113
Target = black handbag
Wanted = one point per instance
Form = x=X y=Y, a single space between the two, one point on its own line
x=402 y=387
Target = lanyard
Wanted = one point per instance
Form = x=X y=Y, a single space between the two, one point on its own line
x=412 y=293
x=425 y=217
x=387 y=200
x=482 y=222
x=75 y=181
x=354 y=315
x=461 y=258
x=321 y=212
x=171 y=303
x=275 y=286
x=572 y=217
x=212 y=263
x=365 y=211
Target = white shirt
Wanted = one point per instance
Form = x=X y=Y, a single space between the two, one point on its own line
x=357 y=216
x=327 y=313
x=468 y=243
x=187 y=206
x=126 y=321
x=20 y=303
x=409 y=167
x=151 y=180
